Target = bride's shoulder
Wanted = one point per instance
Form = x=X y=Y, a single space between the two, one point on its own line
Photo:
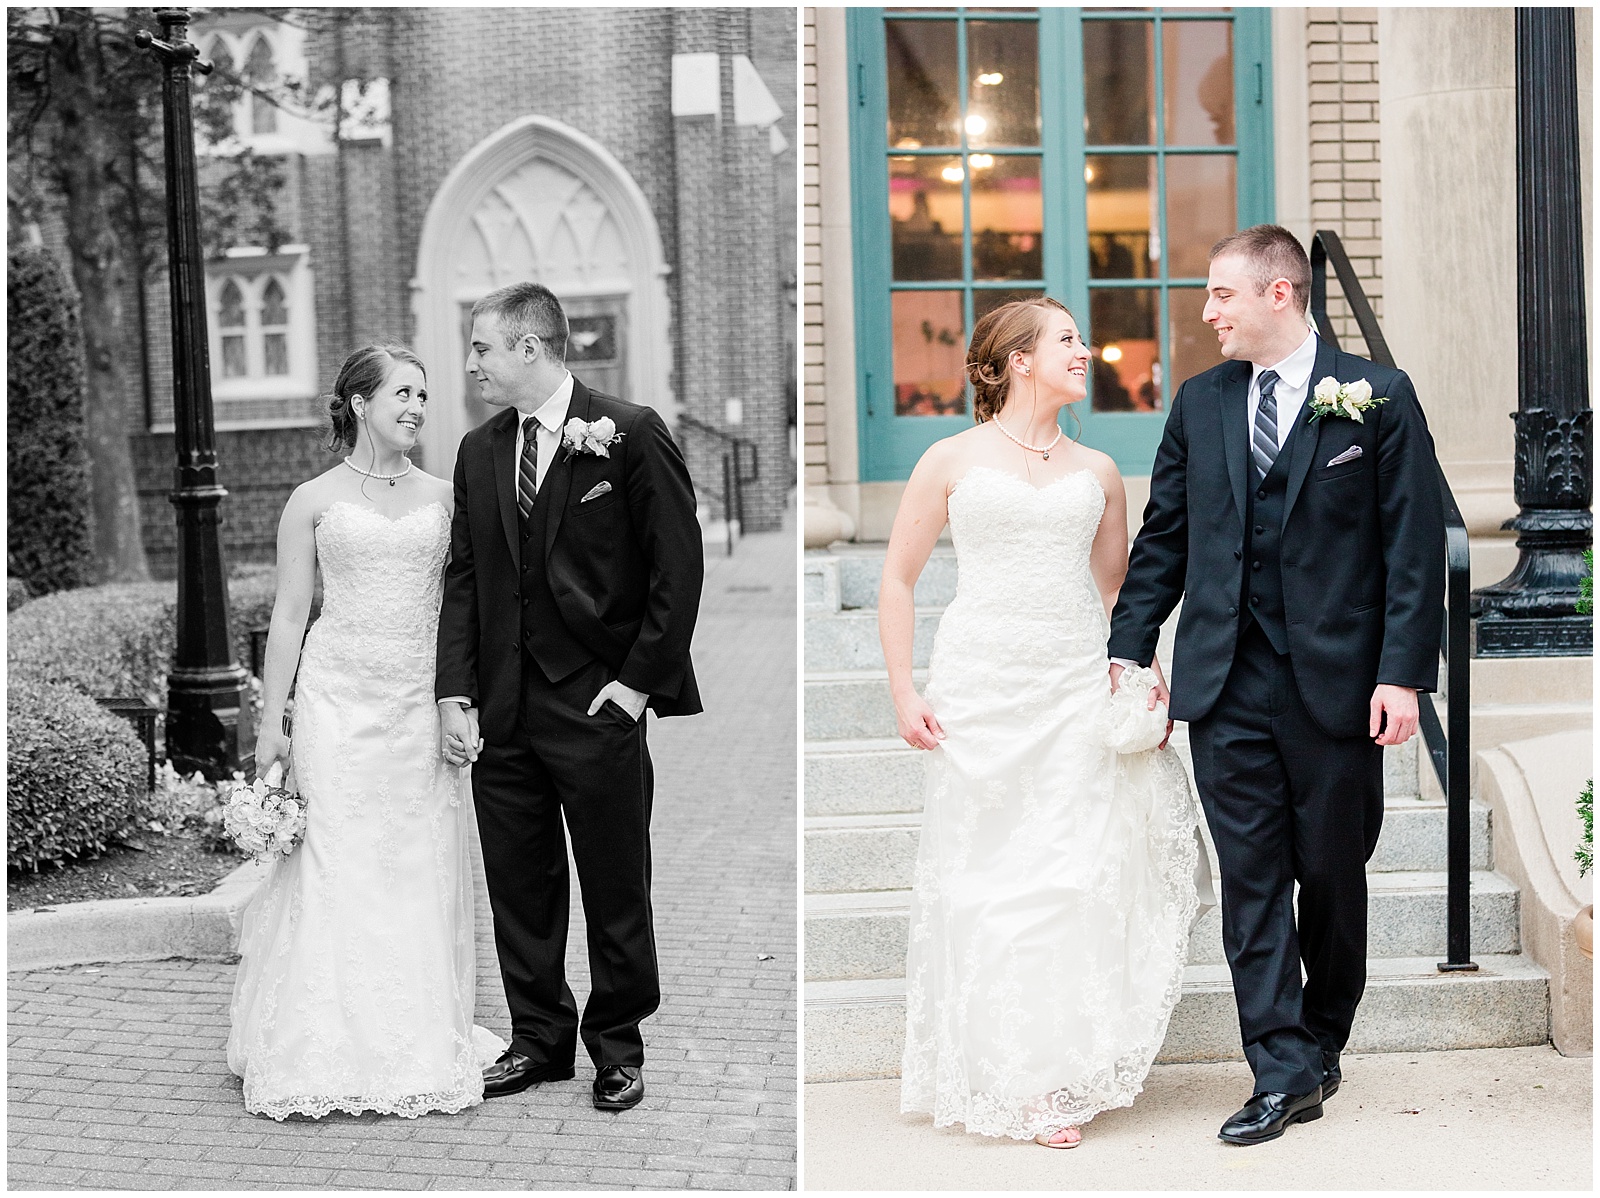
x=438 y=490
x=1104 y=467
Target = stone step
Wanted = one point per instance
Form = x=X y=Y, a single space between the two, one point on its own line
x=858 y=777
x=856 y=1029
x=864 y=935
x=851 y=705
x=1499 y=723
x=849 y=640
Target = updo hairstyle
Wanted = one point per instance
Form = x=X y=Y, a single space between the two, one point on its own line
x=997 y=335
x=363 y=373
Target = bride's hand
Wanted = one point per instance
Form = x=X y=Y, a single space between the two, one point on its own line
x=916 y=723
x=271 y=745
x=1160 y=694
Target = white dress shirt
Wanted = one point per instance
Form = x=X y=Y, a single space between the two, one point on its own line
x=551 y=415
x=1294 y=384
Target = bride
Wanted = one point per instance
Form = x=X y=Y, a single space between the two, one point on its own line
x=355 y=987
x=1055 y=880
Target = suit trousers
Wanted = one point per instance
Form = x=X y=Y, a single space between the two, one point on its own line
x=1287 y=804
x=567 y=772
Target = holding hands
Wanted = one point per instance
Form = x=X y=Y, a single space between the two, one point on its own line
x=459 y=733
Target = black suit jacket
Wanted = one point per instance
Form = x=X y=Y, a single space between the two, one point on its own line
x=625 y=568
x=1362 y=546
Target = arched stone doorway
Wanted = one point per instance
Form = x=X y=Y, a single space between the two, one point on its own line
x=540 y=201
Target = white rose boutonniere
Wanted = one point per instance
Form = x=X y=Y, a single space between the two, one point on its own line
x=594 y=436
x=1330 y=397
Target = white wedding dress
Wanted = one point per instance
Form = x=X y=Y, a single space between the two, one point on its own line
x=355 y=987
x=1055 y=884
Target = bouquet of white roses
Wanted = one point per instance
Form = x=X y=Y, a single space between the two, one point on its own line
x=264 y=818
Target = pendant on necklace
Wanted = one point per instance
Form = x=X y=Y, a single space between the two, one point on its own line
x=391 y=482
x=1046 y=458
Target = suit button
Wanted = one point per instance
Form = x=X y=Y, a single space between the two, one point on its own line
x=1255 y=565
x=1233 y=611
x=1260 y=532
x=1238 y=554
x=1255 y=600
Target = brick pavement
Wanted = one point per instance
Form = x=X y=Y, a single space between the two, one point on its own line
x=116 y=1077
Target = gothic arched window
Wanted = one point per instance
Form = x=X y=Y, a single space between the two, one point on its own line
x=231 y=324
x=261 y=72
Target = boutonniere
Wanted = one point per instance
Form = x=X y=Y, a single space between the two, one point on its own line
x=594 y=436
x=1333 y=398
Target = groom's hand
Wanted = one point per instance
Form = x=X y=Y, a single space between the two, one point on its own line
x=459 y=738
x=1393 y=710
x=625 y=697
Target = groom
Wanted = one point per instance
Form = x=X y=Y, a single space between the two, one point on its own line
x=569 y=603
x=1309 y=555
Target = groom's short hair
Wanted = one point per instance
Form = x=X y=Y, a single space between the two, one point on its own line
x=525 y=308
x=1273 y=253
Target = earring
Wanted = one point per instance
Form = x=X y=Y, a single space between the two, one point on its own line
x=1027 y=370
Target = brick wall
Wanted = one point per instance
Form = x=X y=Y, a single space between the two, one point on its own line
x=1342 y=58
x=814 y=420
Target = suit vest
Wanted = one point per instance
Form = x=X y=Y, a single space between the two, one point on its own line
x=544 y=634
x=1262 y=594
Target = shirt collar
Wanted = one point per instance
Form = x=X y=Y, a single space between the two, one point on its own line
x=553 y=412
x=1295 y=370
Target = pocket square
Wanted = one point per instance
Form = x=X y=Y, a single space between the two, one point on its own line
x=1348 y=455
x=599 y=489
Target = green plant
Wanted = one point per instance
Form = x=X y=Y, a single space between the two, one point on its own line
x=1584 y=855
x=76 y=775
x=118 y=639
x=16 y=593
x=190 y=803
x=47 y=460
x=1586 y=585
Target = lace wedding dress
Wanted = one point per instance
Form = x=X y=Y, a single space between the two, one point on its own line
x=1055 y=884
x=355 y=987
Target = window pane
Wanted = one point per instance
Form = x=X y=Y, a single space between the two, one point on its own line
x=1197 y=66
x=925 y=217
x=1007 y=217
x=260 y=71
x=233 y=363
x=985 y=301
x=230 y=306
x=930 y=354
x=275 y=352
x=1002 y=83
x=1119 y=83
x=923 y=109
x=1127 y=364
x=1194 y=345
x=1124 y=241
x=273 y=308
x=1201 y=210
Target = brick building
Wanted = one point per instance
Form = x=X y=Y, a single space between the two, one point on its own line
x=639 y=162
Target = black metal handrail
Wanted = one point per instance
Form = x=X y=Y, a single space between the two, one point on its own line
x=733 y=476
x=1449 y=751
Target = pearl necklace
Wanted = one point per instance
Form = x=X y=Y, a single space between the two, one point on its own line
x=388 y=478
x=1043 y=450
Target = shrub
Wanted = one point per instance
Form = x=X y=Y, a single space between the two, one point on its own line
x=76 y=774
x=47 y=462
x=118 y=639
x=16 y=593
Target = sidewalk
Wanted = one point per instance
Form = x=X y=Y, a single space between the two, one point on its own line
x=116 y=1077
x=1486 y=1119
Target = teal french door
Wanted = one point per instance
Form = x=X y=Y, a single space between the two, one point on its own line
x=1091 y=154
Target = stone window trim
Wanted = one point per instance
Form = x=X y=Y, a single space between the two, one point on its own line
x=258 y=124
x=263 y=290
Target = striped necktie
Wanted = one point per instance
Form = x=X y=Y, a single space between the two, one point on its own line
x=1264 y=444
x=528 y=468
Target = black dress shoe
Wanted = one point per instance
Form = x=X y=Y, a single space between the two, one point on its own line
x=618 y=1087
x=1265 y=1116
x=1331 y=1077
x=513 y=1073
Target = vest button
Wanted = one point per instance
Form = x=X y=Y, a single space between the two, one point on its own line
x=1238 y=555
x=1233 y=611
x=1255 y=600
x=1261 y=494
x=1260 y=532
x=1255 y=565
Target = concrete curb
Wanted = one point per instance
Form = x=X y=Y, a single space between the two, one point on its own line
x=202 y=928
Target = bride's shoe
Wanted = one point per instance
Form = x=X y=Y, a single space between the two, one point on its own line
x=1070 y=1137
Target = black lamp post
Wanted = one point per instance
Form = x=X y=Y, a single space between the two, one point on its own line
x=208 y=716
x=1532 y=612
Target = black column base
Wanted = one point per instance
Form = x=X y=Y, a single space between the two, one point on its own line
x=1533 y=636
x=208 y=724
